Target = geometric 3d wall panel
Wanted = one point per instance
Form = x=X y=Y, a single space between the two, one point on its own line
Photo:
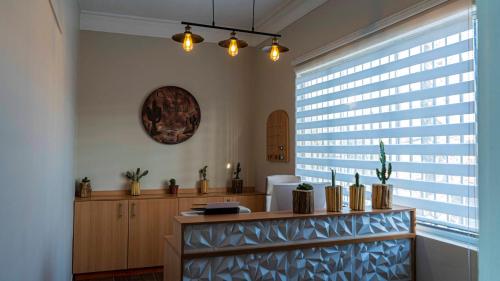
x=374 y=261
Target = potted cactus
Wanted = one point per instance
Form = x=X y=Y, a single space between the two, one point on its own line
x=333 y=195
x=237 y=183
x=382 y=192
x=303 y=199
x=134 y=177
x=203 y=180
x=173 y=188
x=85 y=188
x=357 y=195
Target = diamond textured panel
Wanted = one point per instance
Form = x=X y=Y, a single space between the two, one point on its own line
x=329 y=263
x=388 y=260
x=223 y=235
x=381 y=223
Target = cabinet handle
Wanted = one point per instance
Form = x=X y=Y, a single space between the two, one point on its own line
x=133 y=210
x=120 y=210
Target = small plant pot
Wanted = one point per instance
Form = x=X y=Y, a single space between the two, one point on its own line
x=135 y=188
x=381 y=196
x=172 y=189
x=204 y=186
x=85 y=190
x=237 y=186
x=333 y=196
x=357 y=197
x=303 y=201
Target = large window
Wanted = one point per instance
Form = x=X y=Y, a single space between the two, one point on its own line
x=416 y=92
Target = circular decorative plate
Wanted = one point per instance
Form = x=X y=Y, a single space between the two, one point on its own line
x=171 y=115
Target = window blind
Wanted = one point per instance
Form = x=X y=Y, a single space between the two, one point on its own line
x=417 y=94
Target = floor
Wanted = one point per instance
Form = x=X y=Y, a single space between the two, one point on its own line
x=158 y=276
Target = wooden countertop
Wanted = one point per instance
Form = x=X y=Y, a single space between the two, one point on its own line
x=277 y=215
x=163 y=194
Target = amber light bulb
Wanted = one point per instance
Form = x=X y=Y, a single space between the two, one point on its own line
x=233 y=47
x=274 y=53
x=187 y=45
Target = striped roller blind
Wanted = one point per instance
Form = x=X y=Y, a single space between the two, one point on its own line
x=417 y=94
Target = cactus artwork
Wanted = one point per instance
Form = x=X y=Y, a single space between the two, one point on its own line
x=385 y=172
x=237 y=172
x=203 y=173
x=137 y=175
x=170 y=115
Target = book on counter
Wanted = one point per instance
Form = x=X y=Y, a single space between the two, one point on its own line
x=217 y=208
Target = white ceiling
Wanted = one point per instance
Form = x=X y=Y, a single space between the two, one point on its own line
x=161 y=17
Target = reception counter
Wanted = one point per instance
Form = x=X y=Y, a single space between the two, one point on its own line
x=347 y=246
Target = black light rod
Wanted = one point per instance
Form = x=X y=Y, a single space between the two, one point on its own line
x=230 y=29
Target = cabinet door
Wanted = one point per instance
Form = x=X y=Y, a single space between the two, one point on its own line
x=256 y=203
x=185 y=204
x=100 y=236
x=149 y=221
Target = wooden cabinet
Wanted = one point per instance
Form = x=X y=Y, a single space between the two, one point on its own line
x=149 y=221
x=115 y=234
x=100 y=236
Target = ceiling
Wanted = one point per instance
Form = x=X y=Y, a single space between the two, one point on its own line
x=161 y=17
x=236 y=13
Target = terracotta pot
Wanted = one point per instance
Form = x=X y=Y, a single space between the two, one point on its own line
x=237 y=186
x=135 y=188
x=357 y=197
x=381 y=196
x=172 y=189
x=303 y=201
x=334 y=198
x=204 y=186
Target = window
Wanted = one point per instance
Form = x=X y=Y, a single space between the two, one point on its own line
x=415 y=92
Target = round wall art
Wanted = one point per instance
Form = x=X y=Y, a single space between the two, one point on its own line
x=171 y=115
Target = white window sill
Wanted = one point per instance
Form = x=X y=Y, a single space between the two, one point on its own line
x=439 y=236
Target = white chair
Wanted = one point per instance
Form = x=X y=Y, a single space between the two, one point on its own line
x=282 y=180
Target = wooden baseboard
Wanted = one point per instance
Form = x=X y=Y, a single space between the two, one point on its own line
x=116 y=273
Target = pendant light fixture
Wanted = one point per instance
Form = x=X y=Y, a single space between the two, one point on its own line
x=188 y=39
x=233 y=44
x=275 y=50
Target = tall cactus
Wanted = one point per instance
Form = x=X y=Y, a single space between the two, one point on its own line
x=385 y=173
x=334 y=173
x=356 y=176
x=203 y=173
x=154 y=115
x=237 y=172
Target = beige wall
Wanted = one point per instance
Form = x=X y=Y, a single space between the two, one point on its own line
x=275 y=81
x=117 y=72
x=37 y=90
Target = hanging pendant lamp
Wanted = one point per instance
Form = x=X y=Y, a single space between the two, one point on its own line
x=233 y=44
x=188 y=39
x=275 y=49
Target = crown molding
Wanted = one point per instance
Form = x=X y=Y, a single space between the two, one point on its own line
x=371 y=29
x=274 y=22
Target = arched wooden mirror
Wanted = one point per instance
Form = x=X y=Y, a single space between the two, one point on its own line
x=278 y=141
